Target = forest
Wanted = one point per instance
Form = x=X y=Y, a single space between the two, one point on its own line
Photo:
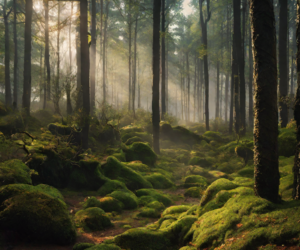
x=150 y=125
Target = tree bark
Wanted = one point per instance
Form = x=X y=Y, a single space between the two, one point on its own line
x=217 y=89
x=283 y=73
x=188 y=86
x=163 y=60
x=129 y=57
x=84 y=52
x=104 y=53
x=8 y=99
x=266 y=173
x=57 y=90
x=134 y=64
x=195 y=88
x=201 y=89
x=250 y=80
x=47 y=53
x=27 y=58
x=16 y=77
x=68 y=85
x=93 y=57
x=155 y=73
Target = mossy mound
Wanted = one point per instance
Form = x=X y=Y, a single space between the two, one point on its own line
x=243 y=181
x=131 y=137
x=138 y=166
x=44 y=116
x=92 y=219
x=13 y=123
x=14 y=171
x=159 y=181
x=91 y=202
x=106 y=134
x=286 y=142
x=110 y=204
x=148 y=212
x=203 y=162
x=110 y=186
x=83 y=246
x=114 y=169
x=130 y=128
x=35 y=216
x=212 y=135
x=128 y=198
x=195 y=181
x=245 y=221
x=159 y=206
x=286 y=186
x=134 y=139
x=246 y=172
x=139 y=151
x=104 y=246
x=154 y=194
x=141 y=238
x=175 y=210
x=194 y=192
x=59 y=129
x=244 y=152
x=120 y=156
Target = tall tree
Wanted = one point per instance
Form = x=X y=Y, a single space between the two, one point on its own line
x=68 y=85
x=93 y=56
x=250 y=80
x=47 y=53
x=163 y=59
x=188 y=85
x=283 y=71
x=56 y=96
x=266 y=173
x=205 y=58
x=156 y=74
x=27 y=58
x=8 y=99
x=16 y=62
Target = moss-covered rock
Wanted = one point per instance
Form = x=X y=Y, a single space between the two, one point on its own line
x=154 y=194
x=128 y=198
x=107 y=134
x=14 y=171
x=134 y=139
x=176 y=210
x=110 y=204
x=246 y=172
x=159 y=181
x=104 y=246
x=195 y=181
x=194 y=192
x=244 y=152
x=91 y=202
x=114 y=169
x=35 y=215
x=287 y=142
x=140 y=238
x=203 y=162
x=212 y=135
x=120 y=156
x=138 y=166
x=92 y=219
x=83 y=246
x=110 y=186
x=148 y=212
x=139 y=151
x=59 y=129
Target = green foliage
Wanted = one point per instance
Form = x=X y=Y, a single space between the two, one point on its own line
x=148 y=212
x=216 y=136
x=91 y=202
x=138 y=166
x=92 y=219
x=14 y=171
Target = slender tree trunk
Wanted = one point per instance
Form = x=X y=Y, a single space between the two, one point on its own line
x=41 y=76
x=129 y=57
x=68 y=85
x=181 y=91
x=195 y=88
x=93 y=57
x=155 y=69
x=250 y=81
x=205 y=59
x=56 y=88
x=163 y=60
x=283 y=73
x=27 y=58
x=201 y=89
x=8 y=99
x=134 y=65
x=47 y=53
x=188 y=86
x=218 y=88
x=78 y=60
x=233 y=72
x=266 y=173
x=104 y=54
x=167 y=72
x=229 y=58
x=84 y=52
x=16 y=77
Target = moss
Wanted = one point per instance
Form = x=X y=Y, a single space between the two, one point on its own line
x=106 y=134
x=44 y=116
x=159 y=206
x=131 y=137
x=175 y=210
x=244 y=152
x=194 y=192
x=91 y=202
x=116 y=170
x=50 y=191
x=286 y=185
x=145 y=200
x=110 y=204
x=138 y=166
x=120 y=156
x=287 y=142
x=195 y=181
x=82 y=246
x=156 y=195
x=203 y=162
x=14 y=171
x=35 y=216
x=188 y=248
x=128 y=198
x=159 y=181
x=92 y=219
x=110 y=186
x=247 y=172
x=140 y=238
x=134 y=139
x=215 y=187
x=212 y=135
x=59 y=129
x=215 y=174
x=148 y=212
x=243 y=181
x=105 y=246
x=141 y=152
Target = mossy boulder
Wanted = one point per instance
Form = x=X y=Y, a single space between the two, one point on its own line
x=107 y=134
x=110 y=204
x=134 y=139
x=35 y=215
x=141 y=238
x=131 y=137
x=91 y=202
x=159 y=181
x=139 y=151
x=129 y=200
x=200 y=161
x=104 y=246
x=244 y=152
x=148 y=212
x=195 y=181
x=286 y=142
x=59 y=129
x=246 y=172
x=83 y=246
x=154 y=194
x=175 y=210
x=138 y=166
x=92 y=219
x=114 y=169
x=159 y=206
x=212 y=135
x=110 y=186
x=14 y=171
x=11 y=124
x=194 y=192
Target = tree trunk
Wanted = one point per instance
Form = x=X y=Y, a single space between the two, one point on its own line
x=217 y=90
x=84 y=52
x=129 y=57
x=233 y=72
x=227 y=73
x=155 y=72
x=93 y=57
x=56 y=87
x=8 y=99
x=283 y=73
x=201 y=89
x=163 y=60
x=188 y=86
x=266 y=173
x=41 y=76
x=78 y=60
x=68 y=85
x=250 y=81
x=205 y=59
x=47 y=53
x=134 y=65
x=104 y=54
x=16 y=77
x=195 y=88
x=27 y=58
